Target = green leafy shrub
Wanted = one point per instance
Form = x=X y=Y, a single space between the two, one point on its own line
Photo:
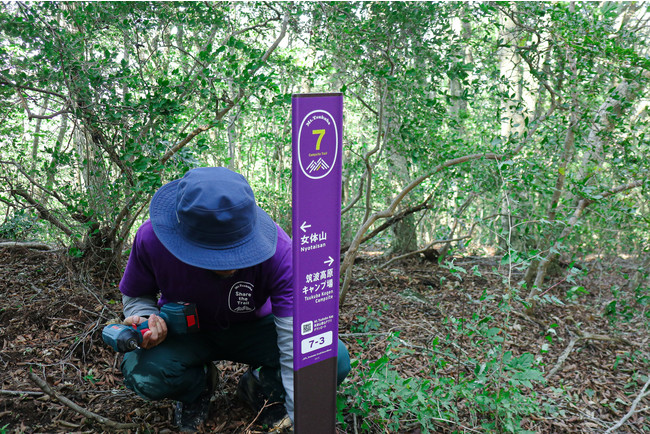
x=494 y=392
x=367 y=323
x=383 y=399
x=18 y=226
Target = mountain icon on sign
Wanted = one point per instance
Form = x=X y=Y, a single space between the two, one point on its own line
x=317 y=165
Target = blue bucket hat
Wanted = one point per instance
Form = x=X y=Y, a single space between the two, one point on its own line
x=209 y=219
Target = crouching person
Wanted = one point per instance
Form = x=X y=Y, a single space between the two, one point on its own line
x=208 y=243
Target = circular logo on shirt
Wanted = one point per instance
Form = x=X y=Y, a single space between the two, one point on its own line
x=240 y=299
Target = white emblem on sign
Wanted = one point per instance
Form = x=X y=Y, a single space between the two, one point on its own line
x=319 y=164
x=315 y=166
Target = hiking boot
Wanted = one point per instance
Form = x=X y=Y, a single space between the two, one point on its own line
x=188 y=416
x=272 y=415
x=212 y=378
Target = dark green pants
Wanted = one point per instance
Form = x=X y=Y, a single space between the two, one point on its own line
x=175 y=369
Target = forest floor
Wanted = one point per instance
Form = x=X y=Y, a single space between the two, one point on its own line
x=415 y=319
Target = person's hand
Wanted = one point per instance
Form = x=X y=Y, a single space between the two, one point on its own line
x=157 y=330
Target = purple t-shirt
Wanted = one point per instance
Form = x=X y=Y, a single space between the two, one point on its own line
x=251 y=293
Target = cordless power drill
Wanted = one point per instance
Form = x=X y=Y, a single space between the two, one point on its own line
x=181 y=318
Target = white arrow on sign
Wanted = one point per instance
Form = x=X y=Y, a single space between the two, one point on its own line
x=329 y=262
x=304 y=226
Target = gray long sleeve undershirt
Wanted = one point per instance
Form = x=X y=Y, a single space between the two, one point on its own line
x=140 y=306
x=284 y=327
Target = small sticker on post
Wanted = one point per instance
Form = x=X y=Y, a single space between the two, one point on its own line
x=307 y=327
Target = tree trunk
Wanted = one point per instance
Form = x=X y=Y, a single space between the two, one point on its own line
x=509 y=69
x=231 y=131
x=554 y=252
x=405 y=236
x=52 y=166
x=37 y=133
x=567 y=155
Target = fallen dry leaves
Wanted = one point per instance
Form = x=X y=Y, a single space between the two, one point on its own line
x=51 y=320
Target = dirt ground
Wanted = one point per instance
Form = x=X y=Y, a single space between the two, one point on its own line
x=52 y=313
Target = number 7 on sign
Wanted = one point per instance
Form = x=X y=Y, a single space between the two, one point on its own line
x=320 y=133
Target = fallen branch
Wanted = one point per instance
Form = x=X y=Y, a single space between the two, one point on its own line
x=20 y=392
x=26 y=244
x=574 y=341
x=429 y=246
x=67 y=424
x=638 y=399
x=355 y=335
x=280 y=426
x=89 y=414
x=422 y=250
x=528 y=318
x=563 y=357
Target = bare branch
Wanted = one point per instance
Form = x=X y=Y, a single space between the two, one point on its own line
x=33 y=182
x=124 y=212
x=98 y=136
x=583 y=336
x=26 y=245
x=254 y=26
x=178 y=146
x=283 y=31
x=350 y=255
x=356 y=199
x=396 y=218
x=45 y=214
x=621 y=189
x=632 y=410
x=425 y=248
x=382 y=137
x=7 y=82
x=52 y=116
x=459 y=213
x=430 y=245
x=31 y=115
x=201 y=129
x=364 y=103
x=89 y=414
x=554 y=251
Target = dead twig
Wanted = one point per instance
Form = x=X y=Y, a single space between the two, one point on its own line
x=530 y=319
x=89 y=414
x=20 y=392
x=572 y=343
x=356 y=335
x=278 y=428
x=638 y=399
x=26 y=244
x=430 y=245
x=259 y=413
x=563 y=356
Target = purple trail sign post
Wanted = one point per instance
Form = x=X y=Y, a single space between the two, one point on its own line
x=317 y=134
